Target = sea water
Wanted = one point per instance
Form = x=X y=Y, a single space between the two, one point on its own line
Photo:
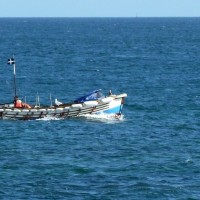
x=152 y=152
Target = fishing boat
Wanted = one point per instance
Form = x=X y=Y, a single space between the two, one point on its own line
x=93 y=103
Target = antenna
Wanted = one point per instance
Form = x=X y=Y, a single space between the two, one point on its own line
x=11 y=61
x=37 y=100
x=50 y=99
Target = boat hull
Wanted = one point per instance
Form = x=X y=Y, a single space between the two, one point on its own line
x=109 y=105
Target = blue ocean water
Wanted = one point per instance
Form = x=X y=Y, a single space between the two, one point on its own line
x=152 y=153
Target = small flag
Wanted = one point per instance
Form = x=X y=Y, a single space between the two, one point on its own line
x=11 y=61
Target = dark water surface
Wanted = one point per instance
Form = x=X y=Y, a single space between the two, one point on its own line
x=152 y=153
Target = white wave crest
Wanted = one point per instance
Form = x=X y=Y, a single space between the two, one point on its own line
x=103 y=117
x=49 y=118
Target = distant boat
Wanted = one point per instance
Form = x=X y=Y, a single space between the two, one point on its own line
x=93 y=103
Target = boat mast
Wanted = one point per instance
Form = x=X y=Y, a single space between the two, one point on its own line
x=11 y=61
x=15 y=87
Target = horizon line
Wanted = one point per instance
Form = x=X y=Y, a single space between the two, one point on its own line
x=103 y=17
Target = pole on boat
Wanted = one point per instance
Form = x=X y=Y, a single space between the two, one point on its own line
x=37 y=100
x=15 y=80
x=50 y=99
x=11 y=61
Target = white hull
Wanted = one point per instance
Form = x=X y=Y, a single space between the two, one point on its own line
x=112 y=104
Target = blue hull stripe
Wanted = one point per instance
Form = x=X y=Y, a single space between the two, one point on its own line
x=116 y=109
